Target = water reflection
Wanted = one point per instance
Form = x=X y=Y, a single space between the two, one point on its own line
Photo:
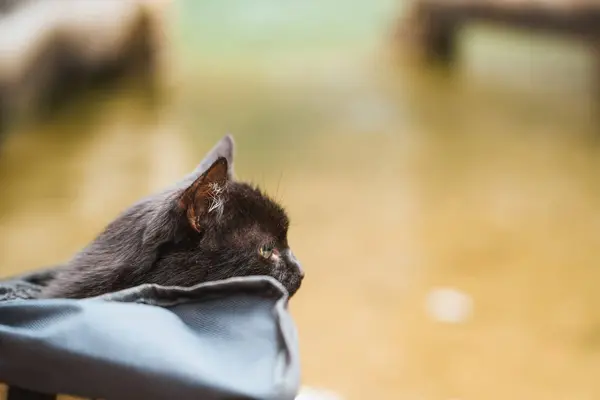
x=398 y=180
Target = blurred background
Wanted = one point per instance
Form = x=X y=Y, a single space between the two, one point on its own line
x=441 y=170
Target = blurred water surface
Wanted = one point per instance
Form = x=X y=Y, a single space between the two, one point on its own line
x=398 y=179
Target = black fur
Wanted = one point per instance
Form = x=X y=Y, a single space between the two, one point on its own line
x=207 y=227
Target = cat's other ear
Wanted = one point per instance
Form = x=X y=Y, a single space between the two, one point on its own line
x=224 y=148
x=206 y=194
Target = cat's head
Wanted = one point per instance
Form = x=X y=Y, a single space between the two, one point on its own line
x=228 y=228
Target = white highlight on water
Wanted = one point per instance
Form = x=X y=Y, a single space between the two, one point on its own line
x=449 y=305
x=308 y=393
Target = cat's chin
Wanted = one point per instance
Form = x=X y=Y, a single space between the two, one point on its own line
x=293 y=288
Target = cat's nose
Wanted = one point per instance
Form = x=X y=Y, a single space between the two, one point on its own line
x=296 y=263
x=300 y=270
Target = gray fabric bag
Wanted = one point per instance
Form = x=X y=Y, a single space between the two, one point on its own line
x=232 y=339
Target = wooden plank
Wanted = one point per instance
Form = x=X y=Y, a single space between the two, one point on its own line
x=583 y=21
x=437 y=22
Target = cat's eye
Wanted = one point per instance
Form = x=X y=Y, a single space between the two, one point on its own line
x=266 y=251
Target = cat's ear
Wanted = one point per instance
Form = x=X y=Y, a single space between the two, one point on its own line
x=224 y=148
x=205 y=195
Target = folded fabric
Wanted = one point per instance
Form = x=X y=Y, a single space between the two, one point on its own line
x=231 y=339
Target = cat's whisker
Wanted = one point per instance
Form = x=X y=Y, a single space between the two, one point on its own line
x=278 y=183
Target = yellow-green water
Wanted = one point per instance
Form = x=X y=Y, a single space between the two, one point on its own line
x=398 y=179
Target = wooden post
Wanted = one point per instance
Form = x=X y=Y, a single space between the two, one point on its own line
x=596 y=78
x=437 y=33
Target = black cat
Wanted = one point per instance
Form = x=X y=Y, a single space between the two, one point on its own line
x=205 y=228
